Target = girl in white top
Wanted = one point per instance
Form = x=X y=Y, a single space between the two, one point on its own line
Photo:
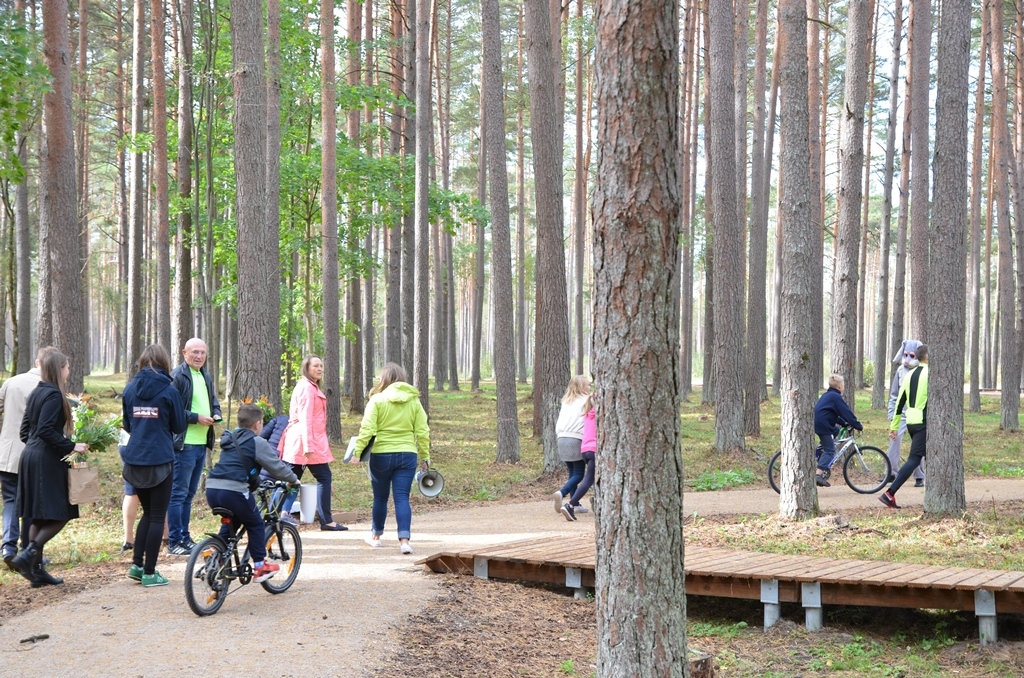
x=569 y=431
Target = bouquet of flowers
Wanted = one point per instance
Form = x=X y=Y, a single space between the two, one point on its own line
x=97 y=432
x=264 y=404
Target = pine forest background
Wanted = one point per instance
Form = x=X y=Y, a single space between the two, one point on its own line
x=280 y=178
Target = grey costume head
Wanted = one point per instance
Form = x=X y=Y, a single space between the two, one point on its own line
x=908 y=346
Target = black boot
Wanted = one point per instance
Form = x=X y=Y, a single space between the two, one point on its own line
x=25 y=561
x=43 y=578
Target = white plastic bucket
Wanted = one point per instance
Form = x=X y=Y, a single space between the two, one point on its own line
x=307 y=503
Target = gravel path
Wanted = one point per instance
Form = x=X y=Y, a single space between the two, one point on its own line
x=335 y=620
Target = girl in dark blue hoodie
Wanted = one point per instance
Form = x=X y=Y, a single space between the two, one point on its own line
x=152 y=413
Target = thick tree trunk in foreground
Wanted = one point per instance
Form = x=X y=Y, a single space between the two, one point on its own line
x=641 y=598
x=798 y=498
x=728 y=240
x=944 y=493
x=501 y=239
x=551 y=345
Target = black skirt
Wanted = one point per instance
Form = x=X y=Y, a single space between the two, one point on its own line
x=43 y=484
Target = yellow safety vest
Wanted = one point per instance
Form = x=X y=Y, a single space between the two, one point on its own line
x=913 y=398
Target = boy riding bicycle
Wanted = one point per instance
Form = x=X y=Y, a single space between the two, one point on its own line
x=829 y=412
x=242 y=454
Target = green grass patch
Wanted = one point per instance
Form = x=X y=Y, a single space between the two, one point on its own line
x=720 y=480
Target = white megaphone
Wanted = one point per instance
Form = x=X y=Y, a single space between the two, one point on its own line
x=429 y=482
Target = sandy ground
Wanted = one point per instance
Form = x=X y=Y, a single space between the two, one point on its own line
x=335 y=619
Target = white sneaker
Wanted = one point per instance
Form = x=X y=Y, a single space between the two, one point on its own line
x=581 y=509
x=373 y=541
x=559 y=500
x=406 y=549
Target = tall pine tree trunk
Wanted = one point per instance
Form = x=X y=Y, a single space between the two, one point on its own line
x=136 y=319
x=258 y=274
x=844 y=302
x=974 y=258
x=161 y=176
x=798 y=498
x=920 y=165
x=329 y=221
x=501 y=242
x=551 y=325
x=879 y=388
x=1009 y=368
x=424 y=122
x=636 y=343
x=182 y=314
x=728 y=240
x=58 y=204
x=944 y=493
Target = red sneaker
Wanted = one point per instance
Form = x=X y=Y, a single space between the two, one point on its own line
x=264 y=572
x=889 y=500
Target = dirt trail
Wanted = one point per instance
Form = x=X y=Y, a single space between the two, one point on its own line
x=336 y=619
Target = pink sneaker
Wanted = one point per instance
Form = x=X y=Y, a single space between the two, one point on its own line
x=264 y=572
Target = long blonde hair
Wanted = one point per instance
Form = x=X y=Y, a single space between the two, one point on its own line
x=579 y=386
x=389 y=374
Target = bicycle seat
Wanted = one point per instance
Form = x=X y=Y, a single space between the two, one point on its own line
x=223 y=512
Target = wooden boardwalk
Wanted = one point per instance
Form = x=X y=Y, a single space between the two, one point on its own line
x=771 y=578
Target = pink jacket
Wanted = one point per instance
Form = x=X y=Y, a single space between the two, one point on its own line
x=305 y=439
x=589 y=443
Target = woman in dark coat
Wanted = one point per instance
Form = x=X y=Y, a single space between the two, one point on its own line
x=42 y=474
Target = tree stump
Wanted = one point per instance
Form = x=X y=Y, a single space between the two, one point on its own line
x=701 y=665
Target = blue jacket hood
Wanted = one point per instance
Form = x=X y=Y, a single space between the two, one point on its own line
x=150 y=381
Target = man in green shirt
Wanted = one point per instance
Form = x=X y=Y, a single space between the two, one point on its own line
x=202 y=410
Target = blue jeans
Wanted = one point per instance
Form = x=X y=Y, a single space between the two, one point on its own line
x=392 y=471
x=828 y=450
x=244 y=508
x=11 y=531
x=188 y=469
x=577 y=469
x=588 y=479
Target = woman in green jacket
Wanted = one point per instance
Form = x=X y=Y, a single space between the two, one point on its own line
x=395 y=421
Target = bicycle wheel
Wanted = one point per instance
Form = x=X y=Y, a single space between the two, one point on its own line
x=775 y=471
x=206 y=581
x=866 y=469
x=286 y=551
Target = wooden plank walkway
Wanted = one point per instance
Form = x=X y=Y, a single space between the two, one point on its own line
x=771 y=578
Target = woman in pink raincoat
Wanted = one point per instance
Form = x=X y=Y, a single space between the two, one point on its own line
x=304 y=443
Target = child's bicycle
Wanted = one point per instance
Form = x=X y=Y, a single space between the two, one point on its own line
x=215 y=563
x=866 y=468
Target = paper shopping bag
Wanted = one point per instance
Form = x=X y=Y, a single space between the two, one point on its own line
x=83 y=484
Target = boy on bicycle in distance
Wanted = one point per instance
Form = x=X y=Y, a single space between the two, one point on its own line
x=242 y=454
x=830 y=411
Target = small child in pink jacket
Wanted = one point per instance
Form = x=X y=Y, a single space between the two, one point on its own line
x=588 y=447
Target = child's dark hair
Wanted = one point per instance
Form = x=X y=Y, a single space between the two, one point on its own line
x=249 y=414
x=922 y=352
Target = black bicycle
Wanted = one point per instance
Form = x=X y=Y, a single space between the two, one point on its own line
x=215 y=563
x=866 y=468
